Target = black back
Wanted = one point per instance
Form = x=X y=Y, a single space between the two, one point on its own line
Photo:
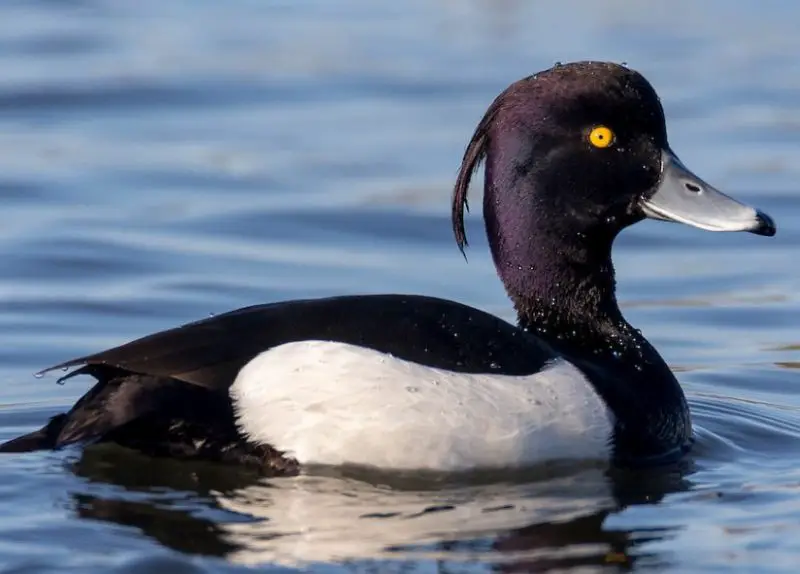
x=426 y=330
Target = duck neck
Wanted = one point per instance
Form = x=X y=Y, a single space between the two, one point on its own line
x=551 y=273
x=565 y=292
x=561 y=282
x=559 y=275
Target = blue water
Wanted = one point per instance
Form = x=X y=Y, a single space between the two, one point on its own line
x=160 y=162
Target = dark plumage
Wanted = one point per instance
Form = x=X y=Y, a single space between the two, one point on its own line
x=556 y=193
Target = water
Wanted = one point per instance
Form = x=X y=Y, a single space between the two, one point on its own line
x=160 y=162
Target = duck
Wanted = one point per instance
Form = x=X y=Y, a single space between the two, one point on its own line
x=572 y=156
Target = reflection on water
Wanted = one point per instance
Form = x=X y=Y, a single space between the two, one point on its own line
x=544 y=518
x=163 y=161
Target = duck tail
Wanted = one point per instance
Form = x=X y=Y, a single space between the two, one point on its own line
x=42 y=439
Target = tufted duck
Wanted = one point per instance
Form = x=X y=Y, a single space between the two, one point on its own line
x=573 y=154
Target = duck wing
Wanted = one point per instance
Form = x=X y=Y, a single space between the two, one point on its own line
x=427 y=330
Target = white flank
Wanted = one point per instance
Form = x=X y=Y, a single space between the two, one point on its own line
x=333 y=403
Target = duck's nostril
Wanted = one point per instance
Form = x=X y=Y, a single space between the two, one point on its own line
x=693 y=187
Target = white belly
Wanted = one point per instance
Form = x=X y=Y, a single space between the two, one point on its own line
x=333 y=403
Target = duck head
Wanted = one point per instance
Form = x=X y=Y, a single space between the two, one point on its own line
x=575 y=154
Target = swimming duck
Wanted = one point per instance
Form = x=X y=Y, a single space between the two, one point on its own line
x=573 y=155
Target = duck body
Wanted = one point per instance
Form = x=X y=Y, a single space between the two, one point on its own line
x=573 y=156
x=334 y=381
x=449 y=387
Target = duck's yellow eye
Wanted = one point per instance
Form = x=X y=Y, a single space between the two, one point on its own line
x=601 y=136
